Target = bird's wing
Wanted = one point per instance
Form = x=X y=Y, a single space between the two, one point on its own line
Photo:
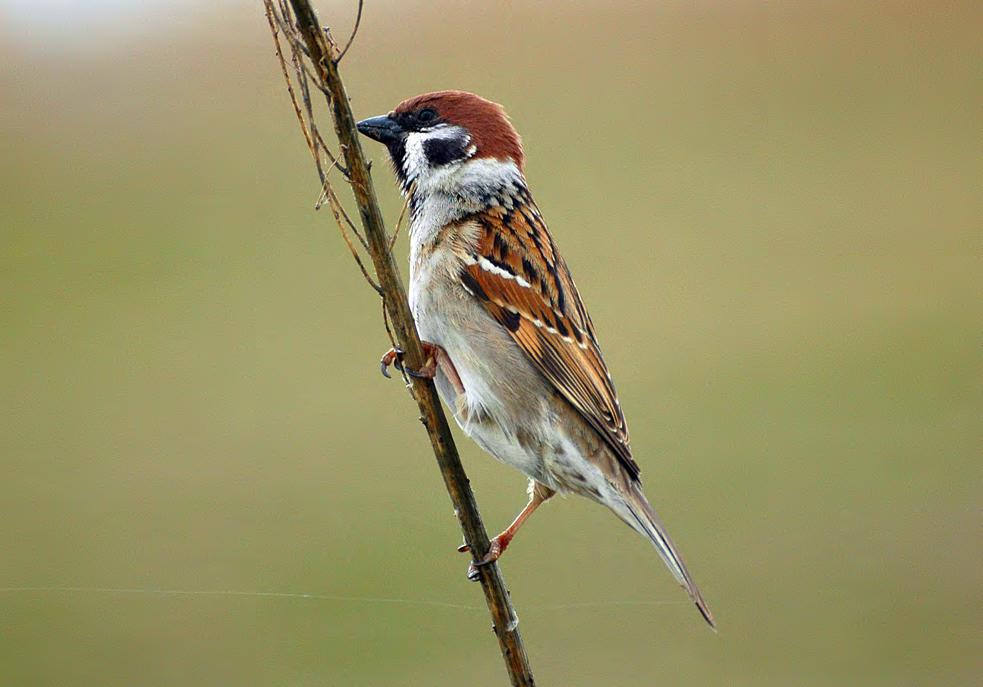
x=516 y=272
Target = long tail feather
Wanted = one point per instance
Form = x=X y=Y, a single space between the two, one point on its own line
x=646 y=521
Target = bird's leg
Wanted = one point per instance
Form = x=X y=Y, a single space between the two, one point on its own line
x=446 y=366
x=434 y=356
x=538 y=494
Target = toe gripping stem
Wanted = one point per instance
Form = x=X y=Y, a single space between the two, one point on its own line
x=394 y=357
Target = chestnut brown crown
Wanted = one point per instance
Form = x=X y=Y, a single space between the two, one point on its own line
x=491 y=132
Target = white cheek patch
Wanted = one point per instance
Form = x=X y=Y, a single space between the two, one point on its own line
x=416 y=165
x=415 y=160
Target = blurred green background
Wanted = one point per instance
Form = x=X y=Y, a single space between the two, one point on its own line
x=772 y=209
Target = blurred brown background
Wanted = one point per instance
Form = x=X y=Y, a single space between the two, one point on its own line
x=772 y=209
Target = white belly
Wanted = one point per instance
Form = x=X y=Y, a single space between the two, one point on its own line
x=505 y=408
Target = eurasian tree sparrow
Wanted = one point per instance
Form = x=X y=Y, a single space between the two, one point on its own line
x=510 y=344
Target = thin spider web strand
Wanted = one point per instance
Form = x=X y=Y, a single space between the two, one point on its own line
x=230 y=592
x=324 y=597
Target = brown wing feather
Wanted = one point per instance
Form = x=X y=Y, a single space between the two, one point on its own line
x=520 y=278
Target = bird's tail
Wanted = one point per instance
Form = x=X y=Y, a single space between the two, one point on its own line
x=644 y=519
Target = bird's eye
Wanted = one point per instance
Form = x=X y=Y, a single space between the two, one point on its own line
x=426 y=115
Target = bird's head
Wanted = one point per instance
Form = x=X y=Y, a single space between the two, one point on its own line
x=434 y=135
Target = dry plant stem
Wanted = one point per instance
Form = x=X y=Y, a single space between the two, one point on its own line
x=324 y=56
x=399 y=223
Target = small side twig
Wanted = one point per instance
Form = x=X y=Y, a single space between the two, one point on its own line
x=351 y=39
x=399 y=223
x=335 y=205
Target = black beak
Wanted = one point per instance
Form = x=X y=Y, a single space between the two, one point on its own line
x=381 y=129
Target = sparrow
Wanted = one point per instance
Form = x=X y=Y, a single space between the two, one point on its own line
x=509 y=342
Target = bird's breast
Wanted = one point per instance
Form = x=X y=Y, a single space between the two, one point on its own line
x=504 y=393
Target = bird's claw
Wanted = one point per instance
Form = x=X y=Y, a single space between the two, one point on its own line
x=496 y=547
x=392 y=357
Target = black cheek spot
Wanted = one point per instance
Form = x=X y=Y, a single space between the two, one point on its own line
x=442 y=151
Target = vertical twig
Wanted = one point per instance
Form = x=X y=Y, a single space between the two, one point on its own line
x=324 y=55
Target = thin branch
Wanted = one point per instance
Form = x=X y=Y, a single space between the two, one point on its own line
x=276 y=28
x=326 y=192
x=296 y=43
x=397 y=318
x=335 y=205
x=399 y=223
x=300 y=72
x=351 y=39
x=335 y=162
